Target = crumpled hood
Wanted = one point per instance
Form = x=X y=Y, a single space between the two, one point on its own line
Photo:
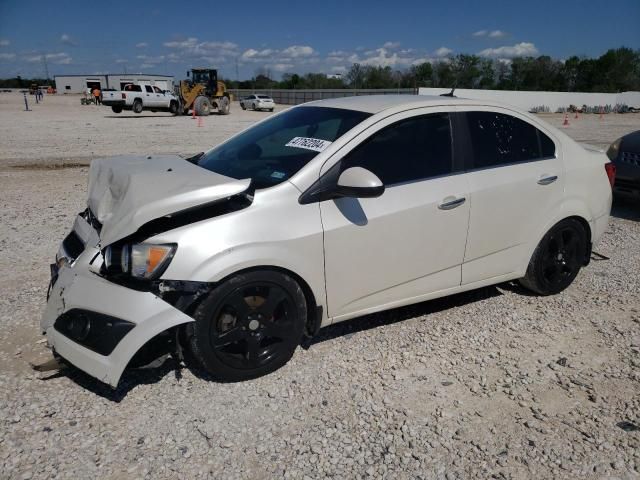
x=127 y=191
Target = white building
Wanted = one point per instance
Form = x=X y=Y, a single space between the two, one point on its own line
x=80 y=83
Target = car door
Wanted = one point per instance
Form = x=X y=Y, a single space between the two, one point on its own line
x=160 y=99
x=409 y=242
x=149 y=99
x=516 y=181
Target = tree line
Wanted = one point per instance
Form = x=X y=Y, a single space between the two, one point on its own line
x=616 y=70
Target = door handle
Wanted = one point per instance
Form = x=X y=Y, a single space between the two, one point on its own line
x=546 y=180
x=448 y=205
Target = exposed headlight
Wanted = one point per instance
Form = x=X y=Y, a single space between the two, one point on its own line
x=140 y=260
x=614 y=149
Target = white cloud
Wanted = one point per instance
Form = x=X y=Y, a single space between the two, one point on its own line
x=391 y=45
x=522 y=49
x=149 y=60
x=191 y=49
x=56 y=58
x=443 y=52
x=121 y=60
x=4 y=42
x=252 y=54
x=66 y=39
x=142 y=45
x=281 y=67
x=480 y=33
x=420 y=60
x=296 y=51
x=496 y=34
x=7 y=56
x=341 y=70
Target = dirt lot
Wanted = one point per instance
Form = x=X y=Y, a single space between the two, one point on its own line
x=493 y=383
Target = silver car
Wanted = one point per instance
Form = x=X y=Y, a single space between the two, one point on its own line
x=321 y=213
x=258 y=102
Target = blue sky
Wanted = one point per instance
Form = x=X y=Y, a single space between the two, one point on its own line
x=168 y=37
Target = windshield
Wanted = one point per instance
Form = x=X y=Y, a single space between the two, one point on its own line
x=273 y=151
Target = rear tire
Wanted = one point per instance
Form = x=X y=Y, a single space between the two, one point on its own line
x=557 y=259
x=173 y=108
x=224 y=106
x=137 y=106
x=116 y=109
x=249 y=326
x=242 y=106
x=202 y=106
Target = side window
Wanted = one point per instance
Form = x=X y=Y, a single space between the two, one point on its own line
x=500 y=139
x=547 y=147
x=148 y=89
x=409 y=150
x=157 y=90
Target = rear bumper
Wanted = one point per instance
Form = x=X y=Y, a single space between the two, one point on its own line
x=121 y=320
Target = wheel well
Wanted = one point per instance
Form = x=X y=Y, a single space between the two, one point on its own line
x=137 y=100
x=587 y=229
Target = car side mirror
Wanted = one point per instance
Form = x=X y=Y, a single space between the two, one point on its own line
x=358 y=182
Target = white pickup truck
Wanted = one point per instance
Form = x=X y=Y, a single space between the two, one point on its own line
x=139 y=98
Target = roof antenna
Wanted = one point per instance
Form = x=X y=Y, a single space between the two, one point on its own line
x=450 y=94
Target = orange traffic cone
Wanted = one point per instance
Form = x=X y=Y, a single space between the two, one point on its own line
x=576 y=116
x=193 y=112
x=199 y=121
x=566 y=120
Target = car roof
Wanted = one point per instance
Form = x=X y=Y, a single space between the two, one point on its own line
x=378 y=103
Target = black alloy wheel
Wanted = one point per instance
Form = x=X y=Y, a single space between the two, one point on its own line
x=249 y=326
x=557 y=259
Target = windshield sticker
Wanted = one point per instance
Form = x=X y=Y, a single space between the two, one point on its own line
x=309 y=143
x=278 y=175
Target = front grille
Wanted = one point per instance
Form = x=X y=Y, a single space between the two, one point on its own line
x=73 y=245
x=631 y=158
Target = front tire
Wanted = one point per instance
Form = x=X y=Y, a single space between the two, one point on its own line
x=249 y=326
x=173 y=108
x=202 y=106
x=557 y=259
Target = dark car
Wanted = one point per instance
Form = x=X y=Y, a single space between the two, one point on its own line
x=625 y=154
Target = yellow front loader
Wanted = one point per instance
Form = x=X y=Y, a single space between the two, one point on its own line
x=203 y=92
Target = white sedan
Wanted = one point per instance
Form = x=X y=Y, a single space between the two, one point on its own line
x=324 y=212
x=258 y=102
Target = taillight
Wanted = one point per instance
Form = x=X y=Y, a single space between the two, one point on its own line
x=611 y=172
x=124 y=96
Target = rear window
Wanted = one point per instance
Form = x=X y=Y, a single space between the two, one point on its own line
x=264 y=96
x=276 y=149
x=133 y=88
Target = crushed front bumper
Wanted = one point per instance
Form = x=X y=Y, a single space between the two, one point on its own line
x=95 y=324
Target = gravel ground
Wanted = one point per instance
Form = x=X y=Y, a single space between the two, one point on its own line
x=493 y=383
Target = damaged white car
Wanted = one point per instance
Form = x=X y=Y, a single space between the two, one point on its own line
x=321 y=213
